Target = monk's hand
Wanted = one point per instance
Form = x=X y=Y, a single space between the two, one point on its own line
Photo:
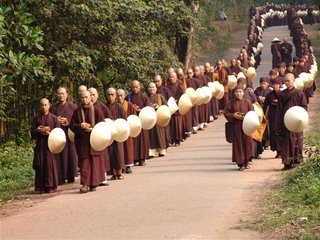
x=136 y=107
x=41 y=129
x=238 y=116
x=63 y=121
x=261 y=98
x=155 y=106
x=44 y=130
x=85 y=127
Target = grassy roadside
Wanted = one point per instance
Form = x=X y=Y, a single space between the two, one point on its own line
x=16 y=173
x=293 y=210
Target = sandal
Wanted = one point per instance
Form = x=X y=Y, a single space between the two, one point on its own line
x=114 y=177
x=120 y=177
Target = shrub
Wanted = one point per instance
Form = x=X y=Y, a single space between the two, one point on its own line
x=16 y=173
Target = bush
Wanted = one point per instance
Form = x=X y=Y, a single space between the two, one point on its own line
x=294 y=210
x=16 y=173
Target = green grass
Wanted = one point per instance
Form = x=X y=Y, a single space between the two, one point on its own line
x=293 y=211
x=16 y=173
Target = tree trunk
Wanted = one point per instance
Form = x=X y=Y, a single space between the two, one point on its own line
x=189 y=52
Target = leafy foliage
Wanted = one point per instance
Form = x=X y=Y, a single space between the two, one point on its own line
x=22 y=65
x=296 y=206
x=16 y=173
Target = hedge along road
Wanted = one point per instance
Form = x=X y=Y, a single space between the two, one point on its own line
x=195 y=192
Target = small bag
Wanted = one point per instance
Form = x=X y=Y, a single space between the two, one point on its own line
x=229 y=132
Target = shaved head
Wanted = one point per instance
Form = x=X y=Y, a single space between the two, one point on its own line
x=44 y=100
x=81 y=89
x=93 y=94
x=44 y=106
x=111 y=95
x=121 y=94
x=135 y=86
x=62 y=95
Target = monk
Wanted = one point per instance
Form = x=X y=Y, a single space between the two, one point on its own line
x=261 y=92
x=271 y=110
x=106 y=114
x=141 y=142
x=276 y=53
x=176 y=122
x=44 y=165
x=67 y=160
x=161 y=89
x=234 y=112
x=157 y=135
x=128 y=144
x=208 y=110
x=202 y=108
x=164 y=91
x=193 y=115
x=222 y=75
x=291 y=143
x=81 y=89
x=91 y=162
x=116 y=151
x=286 y=51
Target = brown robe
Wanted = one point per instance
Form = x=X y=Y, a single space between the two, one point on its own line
x=167 y=94
x=91 y=163
x=176 y=122
x=67 y=160
x=276 y=54
x=223 y=79
x=141 y=142
x=116 y=151
x=291 y=143
x=242 y=150
x=194 y=119
x=266 y=135
x=203 y=110
x=157 y=135
x=271 y=109
x=44 y=163
x=105 y=152
x=128 y=144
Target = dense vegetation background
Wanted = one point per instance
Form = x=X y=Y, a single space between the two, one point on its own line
x=45 y=44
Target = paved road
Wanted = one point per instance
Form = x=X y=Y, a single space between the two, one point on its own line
x=195 y=192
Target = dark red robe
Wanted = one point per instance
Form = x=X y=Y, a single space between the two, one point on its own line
x=276 y=54
x=128 y=144
x=157 y=135
x=141 y=142
x=193 y=83
x=266 y=135
x=116 y=151
x=176 y=122
x=105 y=153
x=67 y=160
x=242 y=150
x=291 y=143
x=91 y=163
x=44 y=162
x=271 y=109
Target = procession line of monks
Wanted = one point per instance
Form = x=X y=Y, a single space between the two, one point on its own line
x=52 y=169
